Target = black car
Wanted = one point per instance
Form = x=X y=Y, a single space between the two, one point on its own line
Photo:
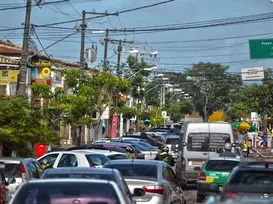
x=253 y=178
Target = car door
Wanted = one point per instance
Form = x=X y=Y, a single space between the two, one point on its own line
x=177 y=193
x=39 y=169
x=48 y=160
x=67 y=160
x=167 y=185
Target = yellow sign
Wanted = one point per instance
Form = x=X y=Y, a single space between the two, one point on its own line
x=8 y=76
x=42 y=64
x=217 y=117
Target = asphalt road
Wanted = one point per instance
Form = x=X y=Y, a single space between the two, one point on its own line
x=190 y=192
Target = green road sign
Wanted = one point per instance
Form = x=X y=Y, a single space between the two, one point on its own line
x=261 y=48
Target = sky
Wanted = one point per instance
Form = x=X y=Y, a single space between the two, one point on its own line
x=201 y=43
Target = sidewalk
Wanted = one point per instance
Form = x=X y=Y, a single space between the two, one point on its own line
x=263 y=152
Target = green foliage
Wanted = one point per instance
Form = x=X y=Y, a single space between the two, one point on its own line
x=156 y=118
x=127 y=112
x=237 y=110
x=209 y=85
x=177 y=110
x=22 y=123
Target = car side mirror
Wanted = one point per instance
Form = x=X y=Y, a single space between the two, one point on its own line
x=139 y=192
x=11 y=180
x=184 y=144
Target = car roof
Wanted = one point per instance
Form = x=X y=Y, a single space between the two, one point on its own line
x=76 y=152
x=224 y=159
x=105 y=152
x=70 y=180
x=172 y=136
x=15 y=159
x=79 y=170
x=134 y=161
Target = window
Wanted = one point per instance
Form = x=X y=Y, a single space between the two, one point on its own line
x=172 y=141
x=32 y=170
x=68 y=192
x=48 y=161
x=204 y=142
x=39 y=169
x=135 y=170
x=221 y=165
x=97 y=159
x=253 y=178
x=68 y=160
x=12 y=170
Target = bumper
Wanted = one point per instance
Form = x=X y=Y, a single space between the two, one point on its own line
x=187 y=177
x=156 y=199
x=208 y=188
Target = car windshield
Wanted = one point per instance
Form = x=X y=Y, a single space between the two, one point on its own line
x=252 y=178
x=172 y=141
x=135 y=170
x=66 y=192
x=12 y=170
x=97 y=159
x=94 y=175
x=221 y=165
x=147 y=145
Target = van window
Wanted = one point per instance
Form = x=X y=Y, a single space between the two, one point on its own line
x=203 y=142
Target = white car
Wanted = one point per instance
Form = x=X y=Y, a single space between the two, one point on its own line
x=112 y=155
x=72 y=159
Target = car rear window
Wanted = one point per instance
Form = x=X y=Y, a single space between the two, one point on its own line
x=135 y=170
x=12 y=170
x=68 y=192
x=97 y=159
x=172 y=141
x=252 y=178
x=207 y=142
x=221 y=165
x=117 y=156
x=75 y=175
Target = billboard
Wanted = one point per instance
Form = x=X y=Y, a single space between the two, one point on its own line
x=8 y=76
x=41 y=72
x=254 y=73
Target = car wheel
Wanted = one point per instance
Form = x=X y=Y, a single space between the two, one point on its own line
x=200 y=197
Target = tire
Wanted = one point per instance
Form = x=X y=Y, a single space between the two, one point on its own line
x=199 y=197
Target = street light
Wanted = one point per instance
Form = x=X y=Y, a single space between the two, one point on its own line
x=145 y=69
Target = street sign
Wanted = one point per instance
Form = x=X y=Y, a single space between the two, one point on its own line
x=261 y=48
x=254 y=73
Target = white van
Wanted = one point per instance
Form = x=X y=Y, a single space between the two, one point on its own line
x=197 y=142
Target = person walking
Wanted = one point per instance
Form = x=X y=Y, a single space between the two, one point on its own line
x=165 y=156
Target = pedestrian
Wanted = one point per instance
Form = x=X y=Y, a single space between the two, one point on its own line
x=249 y=145
x=165 y=156
x=145 y=136
x=227 y=152
x=240 y=138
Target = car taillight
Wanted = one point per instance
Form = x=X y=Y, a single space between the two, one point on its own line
x=154 y=189
x=202 y=176
x=231 y=194
x=183 y=163
x=23 y=171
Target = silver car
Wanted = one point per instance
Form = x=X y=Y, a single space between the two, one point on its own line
x=19 y=170
x=155 y=177
x=76 y=191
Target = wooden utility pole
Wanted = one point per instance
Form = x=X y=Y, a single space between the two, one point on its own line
x=21 y=91
x=119 y=55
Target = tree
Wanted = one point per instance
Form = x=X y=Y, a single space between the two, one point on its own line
x=156 y=117
x=23 y=124
x=209 y=85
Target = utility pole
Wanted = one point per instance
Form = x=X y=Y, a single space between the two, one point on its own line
x=119 y=55
x=21 y=91
x=105 y=61
x=82 y=57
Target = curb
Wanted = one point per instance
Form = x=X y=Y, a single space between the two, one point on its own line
x=261 y=154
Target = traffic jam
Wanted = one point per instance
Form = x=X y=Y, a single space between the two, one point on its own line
x=156 y=166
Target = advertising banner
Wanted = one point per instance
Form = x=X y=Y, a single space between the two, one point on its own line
x=114 y=126
x=8 y=76
x=41 y=72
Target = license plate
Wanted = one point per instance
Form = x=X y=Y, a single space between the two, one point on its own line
x=209 y=179
x=196 y=162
